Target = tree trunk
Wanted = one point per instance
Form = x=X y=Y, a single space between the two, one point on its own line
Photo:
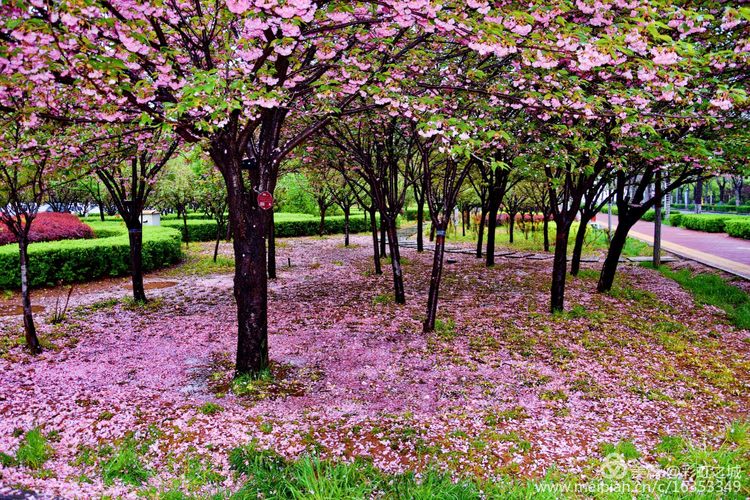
x=546 y=232
x=382 y=237
x=480 y=232
x=657 y=222
x=420 y=225
x=322 y=226
x=559 y=267
x=218 y=239
x=437 y=272
x=32 y=341
x=463 y=222
x=251 y=290
x=491 y=228
x=185 y=224
x=398 y=277
x=432 y=233
x=375 y=244
x=101 y=211
x=698 y=196
x=135 y=234
x=575 y=263
x=346 y=226
x=271 y=246
x=607 y=276
x=511 y=223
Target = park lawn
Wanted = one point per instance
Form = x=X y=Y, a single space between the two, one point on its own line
x=503 y=400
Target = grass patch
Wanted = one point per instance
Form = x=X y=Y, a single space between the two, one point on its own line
x=712 y=289
x=125 y=465
x=34 y=450
x=383 y=298
x=210 y=408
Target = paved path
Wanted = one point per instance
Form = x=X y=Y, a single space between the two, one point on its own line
x=712 y=249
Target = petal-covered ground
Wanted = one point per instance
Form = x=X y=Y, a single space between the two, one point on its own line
x=501 y=388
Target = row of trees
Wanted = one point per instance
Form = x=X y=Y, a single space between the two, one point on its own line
x=414 y=95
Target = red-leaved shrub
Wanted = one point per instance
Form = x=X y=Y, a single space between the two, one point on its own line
x=50 y=226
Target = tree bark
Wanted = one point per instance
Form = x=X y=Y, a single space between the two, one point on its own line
x=437 y=272
x=101 y=211
x=251 y=290
x=491 y=228
x=559 y=266
x=382 y=236
x=32 y=341
x=607 y=276
x=398 y=277
x=420 y=225
x=135 y=234
x=218 y=239
x=185 y=224
x=575 y=263
x=346 y=227
x=480 y=233
x=511 y=223
x=375 y=243
x=271 y=246
x=322 y=226
x=546 y=232
x=657 y=222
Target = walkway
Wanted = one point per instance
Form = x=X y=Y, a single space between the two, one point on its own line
x=716 y=250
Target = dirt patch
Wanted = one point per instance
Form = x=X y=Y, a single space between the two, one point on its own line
x=7 y=309
x=153 y=285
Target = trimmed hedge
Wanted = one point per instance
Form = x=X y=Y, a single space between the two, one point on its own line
x=739 y=228
x=286 y=226
x=708 y=223
x=675 y=218
x=719 y=207
x=80 y=260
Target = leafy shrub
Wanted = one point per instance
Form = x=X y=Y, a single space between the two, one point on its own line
x=675 y=218
x=49 y=226
x=198 y=230
x=81 y=260
x=705 y=222
x=739 y=228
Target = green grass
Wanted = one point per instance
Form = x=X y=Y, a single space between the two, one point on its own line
x=271 y=476
x=34 y=450
x=210 y=408
x=125 y=464
x=595 y=241
x=712 y=289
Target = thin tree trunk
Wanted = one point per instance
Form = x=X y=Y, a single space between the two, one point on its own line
x=657 y=222
x=101 y=211
x=346 y=227
x=135 y=234
x=187 y=234
x=491 y=228
x=398 y=277
x=545 y=225
x=218 y=239
x=420 y=225
x=463 y=222
x=511 y=223
x=575 y=263
x=432 y=233
x=271 y=246
x=437 y=272
x=322 y=226
x=32 y=341
x=480 y=232
x=382 y=237
x=375 y=243
x=559 y=267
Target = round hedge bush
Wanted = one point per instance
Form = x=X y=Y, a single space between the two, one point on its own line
x=51 y=226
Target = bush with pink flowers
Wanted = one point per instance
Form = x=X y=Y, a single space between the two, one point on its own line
x=49 y=226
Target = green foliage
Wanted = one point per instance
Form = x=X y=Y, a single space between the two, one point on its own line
x=625 y=448
x=675 y=218
x=80 y=260
x=712 y=289
x=739 y=228
x=34 y=450
x=705 y=222
x=210 y=408
x=125 y=464
x=292 y=195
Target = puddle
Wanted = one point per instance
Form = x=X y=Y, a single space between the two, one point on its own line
x=16 y=310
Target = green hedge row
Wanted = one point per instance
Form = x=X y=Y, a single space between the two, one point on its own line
x=286 y=226
x=742 y=209
x=709 y=223
x=739 y=228
x=79 y=260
